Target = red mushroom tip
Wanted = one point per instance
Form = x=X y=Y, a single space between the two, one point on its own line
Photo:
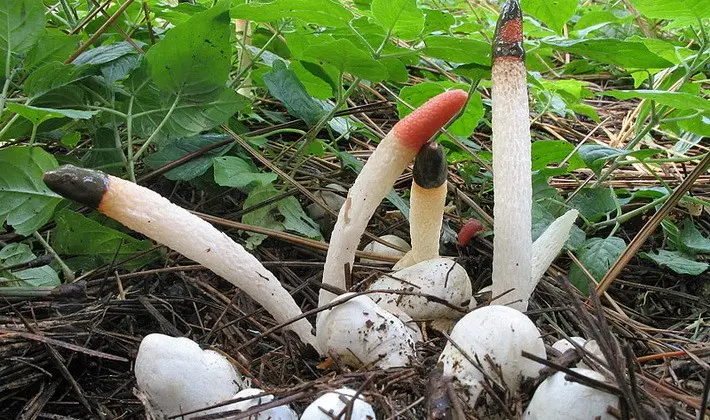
x=419 y=126
x=469 y=230
x=508 y=39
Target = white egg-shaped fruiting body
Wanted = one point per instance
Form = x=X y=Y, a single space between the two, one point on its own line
x=559 y=399
x=178 y=376
x=361 y=333
x=440 y=277
x=329 y=405
x=382 y=249
x=499 y=333
x=282 y=412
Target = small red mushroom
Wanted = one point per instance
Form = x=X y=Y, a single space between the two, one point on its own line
x=469 y=230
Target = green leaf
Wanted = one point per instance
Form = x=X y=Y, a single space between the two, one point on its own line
x=595 y=156
x=625 y=54
x=346 y=57
x=437 y=21
x=553 y=13
x=679 y=100
x=51 y=76
x=316 y=86
x=194 y=58
x=594 y=203
x=265 y=216
x=26 y=203
x=597 y=255
x=39 y=115
x=232 y=171
x=296 y=220
x=182 y=147
x=21 y=25
x=321 y=12
x=402 y=17
x=18 y=253
x=689 y=11
x=105 y=53
x=677 y=262
x=458 y=50
x=77 y=235
x=284 y=85
x=54 y=45
x=546 y=152
x=692 y=241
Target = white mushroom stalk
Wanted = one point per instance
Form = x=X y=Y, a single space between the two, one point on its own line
x=499 y=333
x=387 y=162
x=546 y=247
x=177 y=376
x=512 y=184
x=151 y=214
x=559 y=399
x=426 y=204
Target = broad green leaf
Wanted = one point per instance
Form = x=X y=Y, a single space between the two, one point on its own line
x=679 y=100
x=15 y=254
x=232 y=171
x=284 y=85
x=346 y=57
x=689 y=11
x=594 y=203
x=105 y=53
x=19 y=253
x=321 y=12
x=437 y=21
x=265 y=216
x=691 y=240
x=194 y=58
x=402 y=17
x=51 y=76
x=627 y=54
x=54 y=45
x=77 y=235
x=546 y=152
x=553 y=13
x=597 y=255
x=103 y=153
x=21 y=25
x=39 y=115
x=316 y=86
x=416 y=95
x=676 y=261
x=595 y=156
x=182 y=147
x=458 y=50
x=38 y=277
x=26 y=203
x=699 y=125
x=296 y=220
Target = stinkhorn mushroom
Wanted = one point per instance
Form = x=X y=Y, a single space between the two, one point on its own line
x=518 y=264
x=282 y=412
x=559 y=399
x=512 y=167
x=177 y=376
x=421 y=270
x=498 y=333
x=387 y=162
x=149 y=213
x=334 y=405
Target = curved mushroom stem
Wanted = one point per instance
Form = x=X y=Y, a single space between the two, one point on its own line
x=512 y=185
x=387 y=162
x=151 y=214
x=426 y=204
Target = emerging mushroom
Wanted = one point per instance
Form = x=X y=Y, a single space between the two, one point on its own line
x=282 y=412
x=421 y=270
x=387 y=162
x=499 y=333
x=590 y=347
x=149 y=213
x=518 y=264
x=177 y=376
x=381 y=249
x=559 y=399
x=334 y=405
x=375 y=180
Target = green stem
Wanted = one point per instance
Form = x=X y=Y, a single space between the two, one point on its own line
x=631 y=214
x=157 y=130
x=68 y=274
x=235 y=84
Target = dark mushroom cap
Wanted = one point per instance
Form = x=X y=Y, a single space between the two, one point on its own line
x=430 y=170
x=508 y=39
x=85 y=186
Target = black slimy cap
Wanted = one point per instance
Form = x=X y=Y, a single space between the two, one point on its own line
x=430 y=170
x=85 y=186
x=508 y=40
